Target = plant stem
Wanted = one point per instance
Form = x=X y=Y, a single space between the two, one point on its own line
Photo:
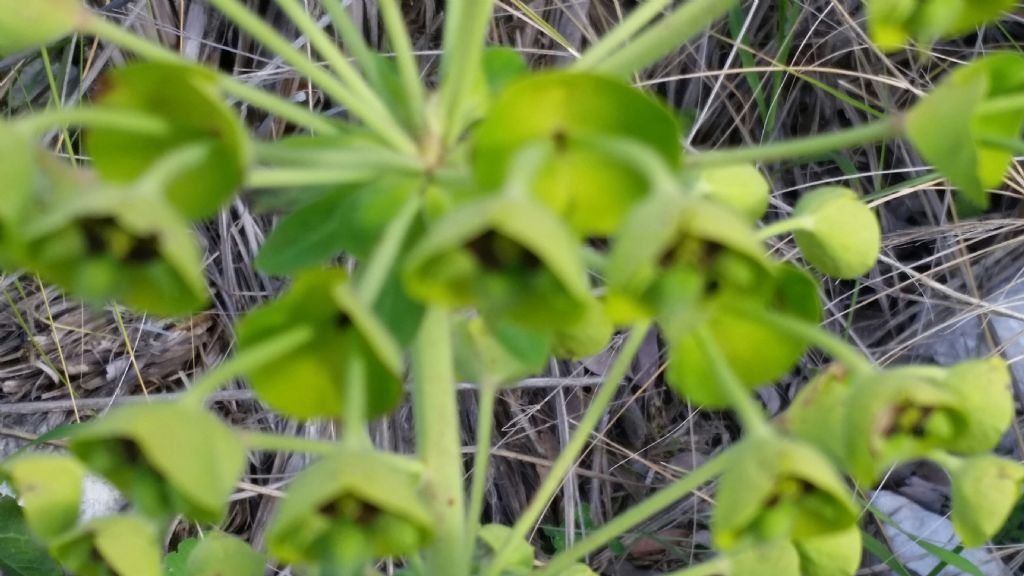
x=278 y=443
x=636 y=21
x=877 y=130
x=571 y=452
x=408 y=69
x=481 y=459
x=637 y=514
x=94 y=117
x=439 y=444
x=784 y=227
x=252 y=359
x=387 y=250
x=300 y=177
x=464 y=32
x=273 y=103
x=814 y=334
x=663 y=37
x=375 y=116
x=750 y=414
x=354 y=432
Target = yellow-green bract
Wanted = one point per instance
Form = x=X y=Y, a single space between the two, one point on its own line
x=25 y=25
x=49 y=487
x=111 y=546
x=839 y=235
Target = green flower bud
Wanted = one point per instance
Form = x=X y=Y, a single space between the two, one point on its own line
x=196 y=114
x=166 y=457
x=779 y=489
x=361 y=504
x=222 y=555
x=985 y=490
x=741 y=187
x=111 y=546
x=839 y=234
x=951 y=131
x=25 y=25
x=587 y=185
x=893 y=22
x=896 y=415
x=509 y=257
x=311 y=381
x=49 y=487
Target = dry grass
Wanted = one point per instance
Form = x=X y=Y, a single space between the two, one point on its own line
x=798 y=68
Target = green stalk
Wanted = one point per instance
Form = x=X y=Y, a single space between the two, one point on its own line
x=273 y=103
x=784 y=227
x=812 y=333
x=376 y=118
x=352 y=38
x=322 y=176
x=94 y=117
x=636 y=515
x=636 y=21
x=750 y=414
x=481 y=458
x=252 y=359
x=387 y=251
x=408 y=69
x=278 y=443
x=439 y=444
x=354 y=431
x=878 y=130
x=571 y=452
x=464 y=33
x=663 y=37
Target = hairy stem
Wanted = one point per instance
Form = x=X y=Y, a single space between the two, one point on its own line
x=439 y=444
x=571 y=452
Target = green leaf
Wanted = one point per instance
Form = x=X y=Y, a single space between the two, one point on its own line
x=983 y=391
x=496 y=351
x=950 y=131
x=588 y=185
x=17 y=160
x=111 y=546
x=837 y=554
x=492 y=538
x=166 y=457
x=779 y=489
x=985 y=490
x=50 y=489
x=502 y=67
x=346 y=220
x=197 y=114
x=817 y=413
x=775 y=558
x=310 y=382
x=26 y=25
x=839 y=235
x=222 y=555
x=175 y=563
x=20 y=554
x=355 y=496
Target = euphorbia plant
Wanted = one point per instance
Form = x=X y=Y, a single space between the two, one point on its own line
x=471 y=215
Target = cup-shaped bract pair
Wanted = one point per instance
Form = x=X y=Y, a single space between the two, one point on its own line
x=25 y=25
x=105 y=243
x=833 y=554
x=837 y=234
x=348 y=342
x=742 y=187
x=778 y=489
x=350 y=508
x=111 y=546
x=508 y=257
x=960 y=125
x=49 y=488
x=196 y=117
x=893 y=22
x=985 y=490
x=167 y=458
x=586 y=184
